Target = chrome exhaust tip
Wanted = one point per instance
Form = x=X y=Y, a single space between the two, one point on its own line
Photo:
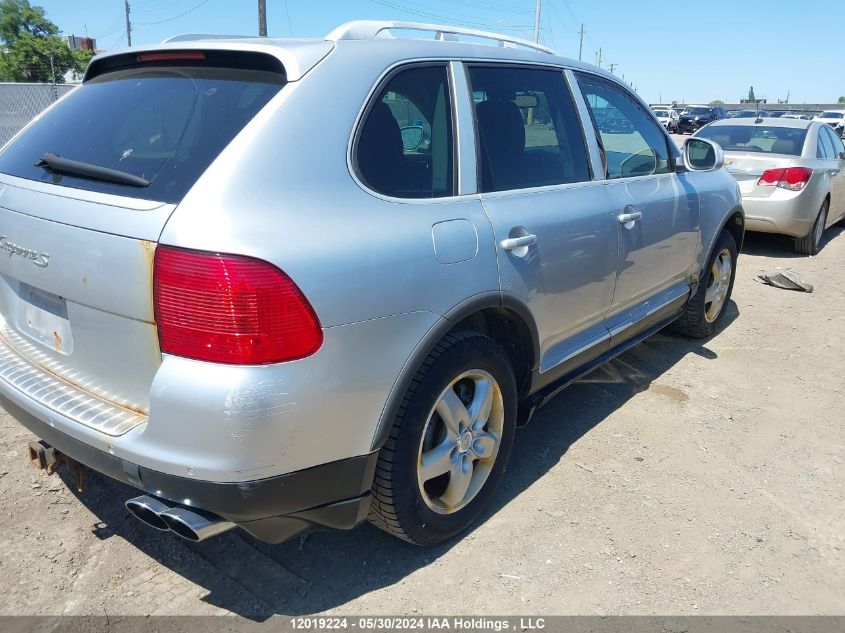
x=194 y=525
x=147 y=509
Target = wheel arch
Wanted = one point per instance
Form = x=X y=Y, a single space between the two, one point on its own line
x=503 y=317
x=734 y=223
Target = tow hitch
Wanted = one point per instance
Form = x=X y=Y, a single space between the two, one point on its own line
x=45 y=457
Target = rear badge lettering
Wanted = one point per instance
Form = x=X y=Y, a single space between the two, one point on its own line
x=39 y=259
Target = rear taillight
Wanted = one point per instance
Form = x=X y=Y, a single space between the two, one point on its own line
x=230 y=309
x=792 y=178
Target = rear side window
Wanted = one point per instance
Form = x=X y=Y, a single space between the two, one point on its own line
x=404 y=148
x=163 y=123
x=838 y=147
x=528 y=129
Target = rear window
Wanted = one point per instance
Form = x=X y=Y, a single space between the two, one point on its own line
x=832 y=115
x=163 y=123
x=756 y=138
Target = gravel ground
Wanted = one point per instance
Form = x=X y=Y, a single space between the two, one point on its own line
x=686 y=477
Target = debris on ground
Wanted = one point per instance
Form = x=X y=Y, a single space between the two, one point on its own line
x=787 y=279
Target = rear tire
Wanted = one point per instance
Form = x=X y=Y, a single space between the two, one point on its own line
x=450 y=442
x=706 y=308
x=810 y=244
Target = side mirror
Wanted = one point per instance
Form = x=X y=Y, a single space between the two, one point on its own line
x=702 y=155
x=412 y=137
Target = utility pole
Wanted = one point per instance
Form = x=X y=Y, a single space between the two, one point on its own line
x=262 y=18
x=581 y=43
x=128 y=24
x=611 y=67
x=598 y=57
x=537 y=22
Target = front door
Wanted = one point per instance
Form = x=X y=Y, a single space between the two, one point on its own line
x=656 y=209
x=554 y=229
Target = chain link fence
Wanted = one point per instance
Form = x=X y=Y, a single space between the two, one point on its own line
x=20 y=102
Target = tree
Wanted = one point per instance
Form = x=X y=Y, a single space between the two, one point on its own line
x=751 y=97
x=841 y=100
x=31 y=47
x=18 y=17
x=717 y=102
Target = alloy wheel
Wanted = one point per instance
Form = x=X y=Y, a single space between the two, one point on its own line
x=460 y=441
x=720 y=282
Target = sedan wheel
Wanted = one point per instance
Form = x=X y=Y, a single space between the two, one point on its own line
x=811 y=243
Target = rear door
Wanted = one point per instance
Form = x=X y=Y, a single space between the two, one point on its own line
x=556 y=238
x=77 y=248
x=656 y=209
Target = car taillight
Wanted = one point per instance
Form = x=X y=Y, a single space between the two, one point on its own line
x=230 y=309
x=792 y=178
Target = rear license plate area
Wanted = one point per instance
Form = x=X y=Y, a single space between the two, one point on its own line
x=43 y=316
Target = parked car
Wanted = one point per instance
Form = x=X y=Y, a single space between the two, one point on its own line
x=696 y=117
x=667 y=117
x=751 y=114
x=776 y=114
x=791 y=173
x=283 y=323
x=833 y=118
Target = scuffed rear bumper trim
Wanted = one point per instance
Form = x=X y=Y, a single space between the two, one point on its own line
x=329 y=496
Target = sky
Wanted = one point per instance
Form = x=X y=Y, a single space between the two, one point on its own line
x=779 y=47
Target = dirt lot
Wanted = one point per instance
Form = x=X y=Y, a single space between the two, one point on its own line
x=683 y=478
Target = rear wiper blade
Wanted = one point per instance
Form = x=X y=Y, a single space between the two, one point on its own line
x=56 y=163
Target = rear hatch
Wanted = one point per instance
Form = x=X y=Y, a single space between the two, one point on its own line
x=85 y=192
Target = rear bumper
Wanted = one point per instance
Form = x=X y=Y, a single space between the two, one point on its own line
x=330 y=496
x=691 y=126
x=783 y=212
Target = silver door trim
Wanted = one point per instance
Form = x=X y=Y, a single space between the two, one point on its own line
x=597 y=340
x=586 y=124
x=464 y=125
x=624 y=325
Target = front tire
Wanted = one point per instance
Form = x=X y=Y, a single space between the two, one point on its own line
x=449 y=443
x=811 y=243
x=706 y=308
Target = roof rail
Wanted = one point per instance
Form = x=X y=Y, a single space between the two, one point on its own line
x=191 y=37
x=371 y=29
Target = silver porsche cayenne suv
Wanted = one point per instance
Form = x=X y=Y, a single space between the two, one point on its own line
x=287 y=285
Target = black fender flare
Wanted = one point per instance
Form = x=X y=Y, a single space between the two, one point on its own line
x=468 y=307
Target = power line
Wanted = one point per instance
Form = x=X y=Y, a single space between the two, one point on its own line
x=175 y=17
x=446 y=19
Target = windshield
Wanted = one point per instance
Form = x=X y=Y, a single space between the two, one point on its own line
x=661 y=113
x=162 y=124
x=832 y=115
x=756 y=138
x=698 y=111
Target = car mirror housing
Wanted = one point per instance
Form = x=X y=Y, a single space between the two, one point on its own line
x=699 y=154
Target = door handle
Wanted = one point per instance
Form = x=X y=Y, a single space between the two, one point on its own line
x=512 y=243
x=628 y=219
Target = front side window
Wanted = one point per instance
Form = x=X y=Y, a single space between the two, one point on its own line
x=528 y=130
x=634 y=144
x=404 y=148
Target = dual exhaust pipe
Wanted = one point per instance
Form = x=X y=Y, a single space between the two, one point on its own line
x=189 y=523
